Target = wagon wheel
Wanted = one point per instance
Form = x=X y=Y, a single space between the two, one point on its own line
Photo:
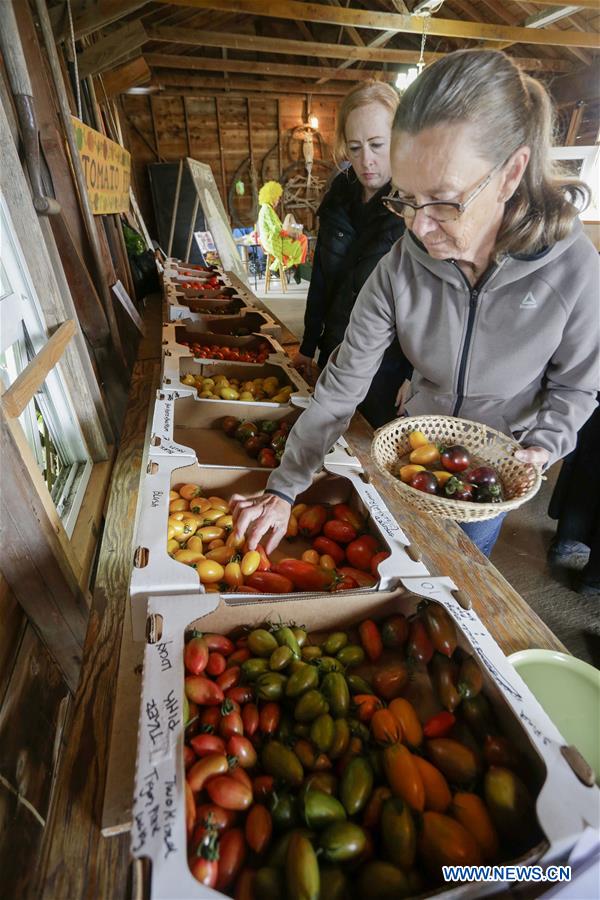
x=244 y=174
x=297 y=193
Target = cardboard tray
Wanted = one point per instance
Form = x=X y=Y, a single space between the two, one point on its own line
x=249 y=321
x=175 y=367
x=564 y=806
x=184 y=429
x=174 y=334
x=155 y=572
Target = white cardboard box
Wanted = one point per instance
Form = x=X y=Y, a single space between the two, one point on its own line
x=155 y=572
x=176 y=366
x=564 y=806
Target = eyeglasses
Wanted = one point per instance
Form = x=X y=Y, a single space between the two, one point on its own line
x=440 y=210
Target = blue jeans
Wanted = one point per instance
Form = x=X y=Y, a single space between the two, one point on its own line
x=484 y=534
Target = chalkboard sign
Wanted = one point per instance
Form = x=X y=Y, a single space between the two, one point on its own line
x=163 y=180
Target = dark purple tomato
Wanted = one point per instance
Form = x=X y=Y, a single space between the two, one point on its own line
x=455 y=489
x=456 y=458
x=253 y=445
x=426 y=482
x=482 y=475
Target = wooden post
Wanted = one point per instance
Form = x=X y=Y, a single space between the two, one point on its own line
x=187 y=128
x=221 y=157
x=575 y=123
x=175 y=205
x=154 y=128
x=279 y=157
x=65 y=115
x=18 y=395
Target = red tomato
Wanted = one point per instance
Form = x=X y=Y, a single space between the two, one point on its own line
x=239 y=656
x=205 y=770
x=375 y=560
x=269 y=583
x=203 y=691
x=419 y=647
x=210 y=716
x=242 y=749
x=366 y=705
x=312 y=521
x=231 y=724
x=229 y=678
x=229 y=793
x=345 y=583
x=240 y=774
x=190 y=809
x=205 y=744
x=304 y=575
x=220 y=643
x=205 y=870
x=340 y=532
x=232 y=853
x=362 y=578
x=269 y=718
x=220 y=819
x=265 y=563
x=344 y=513
x=390 y=681
x=242 y=693
x=361 y=551
x=189 y=757
x=325 y=545
x=263 y=786
x=195 y=656
x=216 y=664
x=370 y=638
x=250 y=718
x=259 y=827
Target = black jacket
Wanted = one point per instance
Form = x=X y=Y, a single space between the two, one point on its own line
x=353 y=236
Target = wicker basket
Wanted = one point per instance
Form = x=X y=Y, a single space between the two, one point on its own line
x=520 y=481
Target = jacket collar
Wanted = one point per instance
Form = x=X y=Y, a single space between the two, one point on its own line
x=513 y=267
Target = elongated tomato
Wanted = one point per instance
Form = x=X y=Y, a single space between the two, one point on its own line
x=403 y=776
x=229 y=793
x=206 y=769
x=259 y=827
x=195 y=656
x=203 y=691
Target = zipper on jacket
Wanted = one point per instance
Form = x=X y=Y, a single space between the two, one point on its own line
x=473 y=298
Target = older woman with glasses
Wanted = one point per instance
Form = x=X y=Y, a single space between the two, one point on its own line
x=492 y=292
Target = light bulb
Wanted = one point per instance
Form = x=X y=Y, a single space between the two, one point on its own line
x=313 y=121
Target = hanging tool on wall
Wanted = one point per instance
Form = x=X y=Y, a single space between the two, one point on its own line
x=14 y=60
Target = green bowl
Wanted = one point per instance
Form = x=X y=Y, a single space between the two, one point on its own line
x=569 y=691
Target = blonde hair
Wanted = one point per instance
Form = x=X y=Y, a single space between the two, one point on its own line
x=270 y=193
x=508 y=109
x=365 y=93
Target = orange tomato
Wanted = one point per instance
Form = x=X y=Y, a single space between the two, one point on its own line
x=471 y=811
x=417 y=439
x=442 y=476
x=437 y=792
x=180 y=504
x=292 y=529
x=407 y=472
x=189 y=491
x=233 y=574
x=445 y=842
x=327 y=562
x=219 y=503
x=222 y=555
x=190 y=809
x=385 y=727
x=211 y=533
x=405 y=713
x=311 y=556
x=425 y=455
x=259 y=827
x=372 y=813
x=403 y=776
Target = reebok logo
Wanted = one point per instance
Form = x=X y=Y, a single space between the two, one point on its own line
x=528 y=302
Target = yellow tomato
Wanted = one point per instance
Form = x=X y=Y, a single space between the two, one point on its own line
x=176 y=528
x=207 y=395
x=443 y=476
x=425 y=455
x=233 y=574
x=218 y=503
x=218 y=542
x=235 y=542
x=246 y=397
x=199 y=504
x=179 y=505
x=292 y=529
x=173 y=495
x=225 y=522
x=298 y=509
x=189 y=491
x=417 y=439
x=281 y=397
x=211 y=532
x=250 y=562
x=190 y=526
x=229 y=393
x=311 y=556
x=210 y=571
x=222 y=555
x=172 y=546
x=188 y=379
x=189 y=557
x=195 y=543
x=170 y=533
x=407 y=472
x=327 y=561
x=211 y=588
x=209 y=384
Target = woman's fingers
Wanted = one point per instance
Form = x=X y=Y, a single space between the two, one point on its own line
x=536 y=456
x=245 y=517
x=275 y=538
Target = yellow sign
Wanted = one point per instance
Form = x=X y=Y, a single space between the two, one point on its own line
x=107 y=170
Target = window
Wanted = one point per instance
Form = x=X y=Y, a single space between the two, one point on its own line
x=48 y=421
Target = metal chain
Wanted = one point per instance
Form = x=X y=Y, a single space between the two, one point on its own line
x=74 y=51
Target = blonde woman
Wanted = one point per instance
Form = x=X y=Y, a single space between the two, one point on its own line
x=493 y=292
x=355 y=231
x=274 y=239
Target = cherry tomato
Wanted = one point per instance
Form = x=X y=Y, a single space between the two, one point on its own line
x=385 y=728
x=205 y=870
x=361 y=551
x=250 y=718
x=203 y=691
x=365 y=706
x=241 y=693
x=229 y=793
x=220 y=819
x=363 y=579
x=456 y=458
x=326 y=546
x=345 y=583
x=439 y=725
x=216 y=664
x=205 y=770
x=455 y=489
x=219 y=642
x=205 y=744
x=230 y=725
x=232 y=853
x=242 y=749
x=394 y=631
x=259 y=827
x=269 y=718
x=340 y=532
x=344 y=513
x=229 y=678
x=195 y=656
x=419 y=647
x=390 y=681
x=370 y=639
x=263 y=786
x=426 y=482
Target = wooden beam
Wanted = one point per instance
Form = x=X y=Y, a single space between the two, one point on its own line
x=240 y=93
x=575 y=123
x=110 y=50
x=175 y=78
x=196 y=38
x=362 y=18
x=186 y=123
x=210 y=64
x=101 y=13
x=124 y=77
x=154 y=128
x=18 y=395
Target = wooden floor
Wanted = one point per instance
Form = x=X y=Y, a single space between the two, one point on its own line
x=520 y=553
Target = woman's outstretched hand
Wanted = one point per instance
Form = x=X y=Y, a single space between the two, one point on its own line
x=260 y=515
x=537 y=456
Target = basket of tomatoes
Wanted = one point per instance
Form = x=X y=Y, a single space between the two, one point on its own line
x=453 y=468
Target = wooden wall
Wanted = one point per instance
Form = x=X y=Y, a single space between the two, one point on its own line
x=217 y=132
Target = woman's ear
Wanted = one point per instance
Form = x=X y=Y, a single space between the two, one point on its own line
x=513 y=172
